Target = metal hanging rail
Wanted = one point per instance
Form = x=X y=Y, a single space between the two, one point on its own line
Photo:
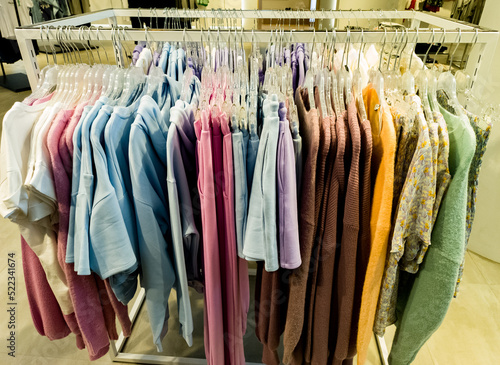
x=454 y=32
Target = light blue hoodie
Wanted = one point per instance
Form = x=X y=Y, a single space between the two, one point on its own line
x=148 y=171
x=84 y=190
x=116 y=141
x=181 y=184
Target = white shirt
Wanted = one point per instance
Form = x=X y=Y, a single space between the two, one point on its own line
x=24 y=125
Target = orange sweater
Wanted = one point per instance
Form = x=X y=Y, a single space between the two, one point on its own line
x=382 y=172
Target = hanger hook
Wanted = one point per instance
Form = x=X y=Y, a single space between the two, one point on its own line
x=361 y=47
x=382 y=50
x=413 y=50
x=428 y=49
x=44 y=46
x=406 y=37
x=459 y=38
x=440 y=46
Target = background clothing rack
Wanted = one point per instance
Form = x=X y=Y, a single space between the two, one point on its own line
x=480 y=59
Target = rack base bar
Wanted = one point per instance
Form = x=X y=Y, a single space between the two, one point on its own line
x=117 y=346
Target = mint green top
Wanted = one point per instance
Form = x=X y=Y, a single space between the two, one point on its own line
x=423 y=305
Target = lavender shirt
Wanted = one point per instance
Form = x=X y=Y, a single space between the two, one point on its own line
x=288 y=232
x=300 y=59
x=137 y=52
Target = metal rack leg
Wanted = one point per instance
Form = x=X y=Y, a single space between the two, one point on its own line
x=382 y=350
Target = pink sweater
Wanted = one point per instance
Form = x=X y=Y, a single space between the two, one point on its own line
x=83 y=289
x=45 y=311
x=213 y=309
x=236 y=289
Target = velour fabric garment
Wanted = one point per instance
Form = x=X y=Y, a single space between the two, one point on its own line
x=382 y=173
x=45 y=311
x=116 y=143
x=272 y=288
x=75 y=182
x=83 y=289
x=252 y=149
x=288 y=228
x=181 y=144
x=147 y=152
x=213 y=310
x=83 y=188
x=260 y=236
x=240 y=143
x=297 y=306
x=113 y=254
x=237 y=286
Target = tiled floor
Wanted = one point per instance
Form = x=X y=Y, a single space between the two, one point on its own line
x=470 y=334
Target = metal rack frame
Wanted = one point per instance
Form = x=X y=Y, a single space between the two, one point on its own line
x=485 y=41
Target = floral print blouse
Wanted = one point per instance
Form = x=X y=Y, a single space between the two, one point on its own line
x=413 y=221
x=416 y=248
x=407 y=136
x=482 y=130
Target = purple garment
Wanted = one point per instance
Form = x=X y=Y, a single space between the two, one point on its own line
x=300 y=61
x=294 y=71
x=287 y=197
x=137 y=52
x=306 y=58
x=156 y=58
x=262 y=73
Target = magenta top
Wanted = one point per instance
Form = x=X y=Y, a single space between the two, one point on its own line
x=213 y=310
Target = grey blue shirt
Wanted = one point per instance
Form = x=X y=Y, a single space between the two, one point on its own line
x=148 y=171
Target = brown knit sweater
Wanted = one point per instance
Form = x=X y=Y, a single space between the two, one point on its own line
x=346 y=274
x=324 y=285
x=364 y=231
x=309 y=127
x=271 y=300
x=322 y=188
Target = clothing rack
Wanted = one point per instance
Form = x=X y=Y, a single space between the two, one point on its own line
x=424 y=27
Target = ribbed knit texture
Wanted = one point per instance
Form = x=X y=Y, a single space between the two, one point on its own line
x=322 y=186
x=363 y=253
x=271 y=302
x=326 y=266
x=348 y=248
x=382 y=176
x=297 y=308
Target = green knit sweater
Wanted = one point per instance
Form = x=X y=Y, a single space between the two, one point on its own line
x=423 y=305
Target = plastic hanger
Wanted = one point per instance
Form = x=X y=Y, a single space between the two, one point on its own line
x=464 y=81
x=309 y=79
x=447 y=82
x=357 y=83
x=422 y=82
x=407 y=80
x=347 y=75
x=377 y=78
x=333 y=77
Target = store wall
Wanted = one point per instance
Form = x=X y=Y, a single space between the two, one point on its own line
x=485 y=237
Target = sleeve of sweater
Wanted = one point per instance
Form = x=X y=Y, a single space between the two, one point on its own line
x=427 y=304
